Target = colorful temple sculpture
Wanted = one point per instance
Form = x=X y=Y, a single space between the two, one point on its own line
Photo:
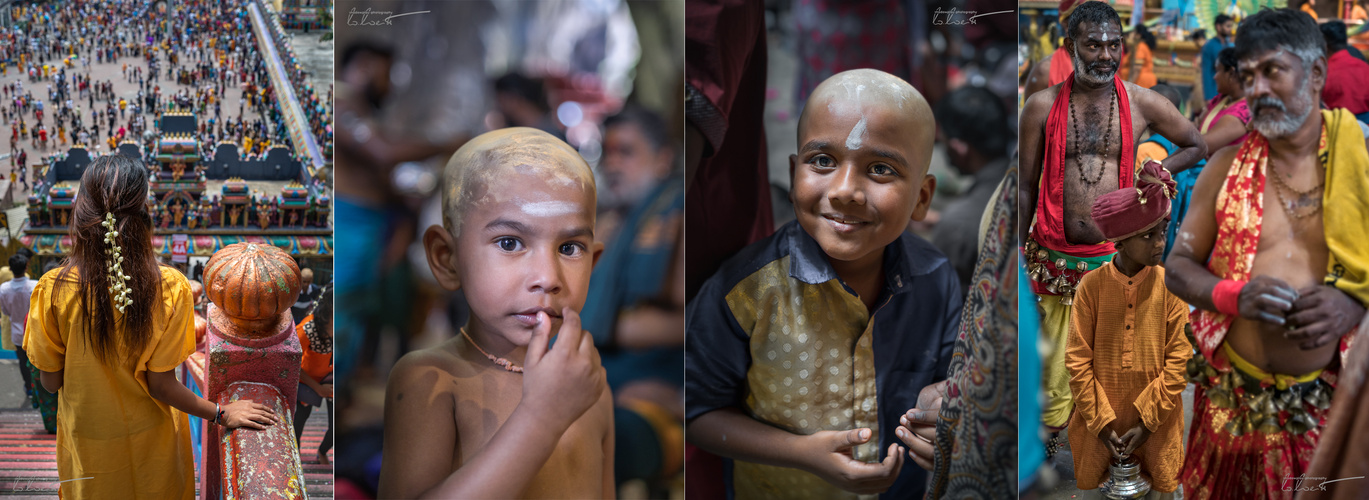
x=251 y=352
x=216 y=196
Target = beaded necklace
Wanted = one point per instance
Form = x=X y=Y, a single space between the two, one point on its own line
x=508 y=365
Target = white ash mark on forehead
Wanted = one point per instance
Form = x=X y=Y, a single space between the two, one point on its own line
x=549 y=208
x=862 y=87
x=857 y=136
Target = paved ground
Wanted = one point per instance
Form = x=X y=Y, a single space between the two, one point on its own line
x=27 y=452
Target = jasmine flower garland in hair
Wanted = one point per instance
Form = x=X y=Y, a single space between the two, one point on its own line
x=118 y=287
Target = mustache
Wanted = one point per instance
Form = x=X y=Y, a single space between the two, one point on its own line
x=1102 y=68
x=1267 y=102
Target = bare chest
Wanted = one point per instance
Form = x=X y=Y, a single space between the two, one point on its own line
x=575 y=468
x=1093 y=151
x=1292 y=244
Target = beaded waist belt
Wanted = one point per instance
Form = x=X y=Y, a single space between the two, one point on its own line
x=1056 y=273
x=1269 y=403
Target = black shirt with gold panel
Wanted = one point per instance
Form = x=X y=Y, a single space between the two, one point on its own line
x=777 y=334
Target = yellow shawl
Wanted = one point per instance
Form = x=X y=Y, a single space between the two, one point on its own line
x=1345 y=202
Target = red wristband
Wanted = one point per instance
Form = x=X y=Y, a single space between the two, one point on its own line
x=1225 y=295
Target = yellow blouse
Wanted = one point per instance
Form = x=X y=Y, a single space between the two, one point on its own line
x=113 y=439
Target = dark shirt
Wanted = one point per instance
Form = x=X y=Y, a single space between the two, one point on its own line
x=776 y=334
x=305 y=303
x=957 y=235
x=728 y=198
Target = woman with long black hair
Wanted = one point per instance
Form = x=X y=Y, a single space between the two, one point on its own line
x=106 y=330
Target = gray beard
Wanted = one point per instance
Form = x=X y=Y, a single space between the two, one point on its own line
x=1275 y=128
x=1085 y=75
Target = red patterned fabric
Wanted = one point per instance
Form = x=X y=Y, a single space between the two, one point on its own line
x=1219 y=465
x=1253 y=465
x=1240 y=209
x=1240 y=212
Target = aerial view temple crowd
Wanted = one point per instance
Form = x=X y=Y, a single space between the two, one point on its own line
x=202 y=59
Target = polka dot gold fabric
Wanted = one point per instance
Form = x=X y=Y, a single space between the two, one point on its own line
x=812 y=370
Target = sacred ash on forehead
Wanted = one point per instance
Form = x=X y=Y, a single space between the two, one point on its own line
x=851 y=91
x=496 y=155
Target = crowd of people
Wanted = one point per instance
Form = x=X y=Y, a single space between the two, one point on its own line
x=97 y=75
x=318 y=110
x=1218 y=252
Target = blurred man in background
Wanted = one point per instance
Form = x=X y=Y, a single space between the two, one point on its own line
x=974 y=127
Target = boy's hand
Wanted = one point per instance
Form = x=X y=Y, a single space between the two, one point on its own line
x=327 y=390
x=1134 y=438
x=560 y=383
x=828 y=454
x=1113 y=443
x=918 y=431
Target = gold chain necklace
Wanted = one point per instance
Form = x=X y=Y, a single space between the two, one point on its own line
x=1323 y=156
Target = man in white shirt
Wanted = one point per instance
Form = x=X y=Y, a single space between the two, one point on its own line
x=14 y=302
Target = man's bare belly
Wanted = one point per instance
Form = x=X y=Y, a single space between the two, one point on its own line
x=1079 y=197
x=1287 y=258
x=575 y=467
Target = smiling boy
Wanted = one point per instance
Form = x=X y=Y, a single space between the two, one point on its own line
x=495 y=412
x=806 y=347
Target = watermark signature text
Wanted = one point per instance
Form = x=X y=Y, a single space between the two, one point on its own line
x=370 y=17
x=943 y=17
x=1304 y=483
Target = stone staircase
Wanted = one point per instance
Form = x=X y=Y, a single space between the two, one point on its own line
x=28 y=467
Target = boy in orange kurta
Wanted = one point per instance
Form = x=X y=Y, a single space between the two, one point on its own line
x=1127 y=350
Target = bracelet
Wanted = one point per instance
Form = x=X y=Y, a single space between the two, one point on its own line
x=1225 y=297
x=218 y=414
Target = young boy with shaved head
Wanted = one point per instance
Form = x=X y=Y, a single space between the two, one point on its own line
x=807 y=347
x=497 y=412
